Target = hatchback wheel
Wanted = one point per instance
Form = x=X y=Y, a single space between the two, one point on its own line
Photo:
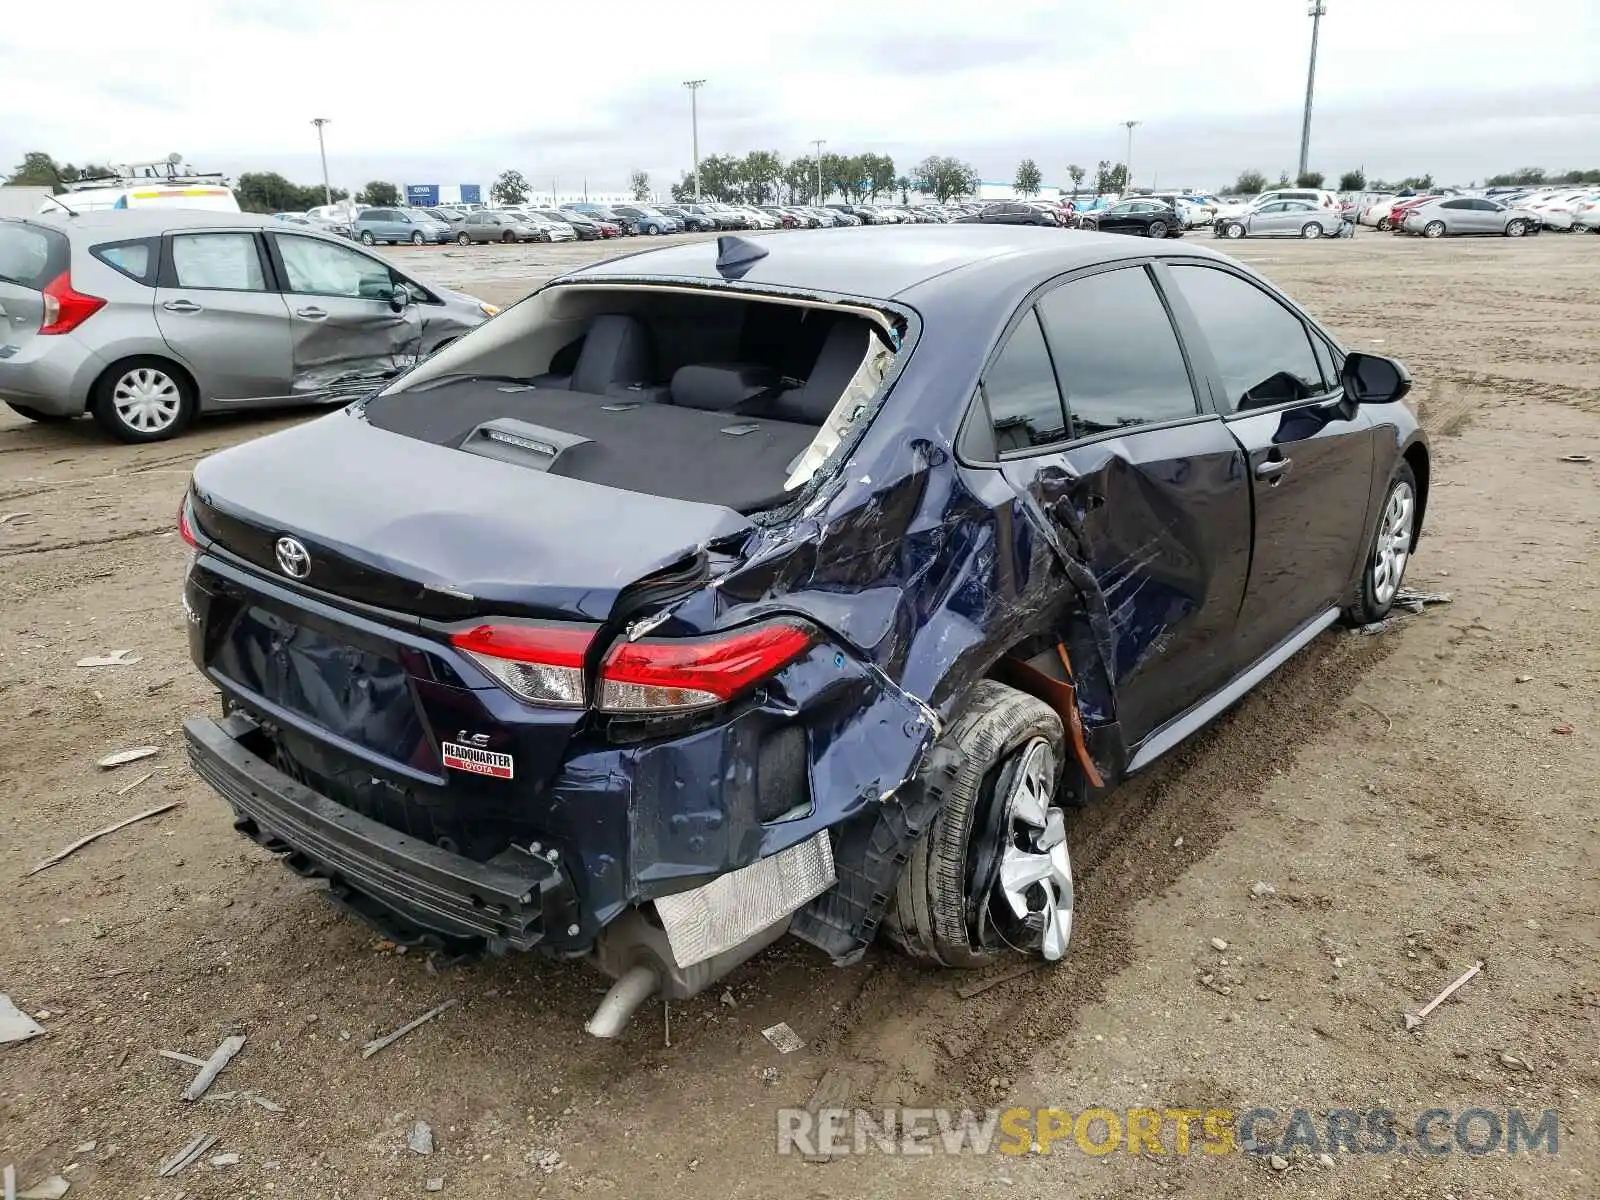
x=1384 y=225
x=1392 y=543
x=417 y=239
x=991 y=874
x=1433 y=229
x=1235 y=230
x=1311 y=232
x=1516 y=228
x=367 y=239
x=508 y=236
x=462 y=239
x=143 y=400
x=1158 y=229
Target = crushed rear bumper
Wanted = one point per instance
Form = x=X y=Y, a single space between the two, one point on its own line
x=398 y=883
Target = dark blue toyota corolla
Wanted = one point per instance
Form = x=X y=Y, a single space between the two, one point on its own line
x=783 y=585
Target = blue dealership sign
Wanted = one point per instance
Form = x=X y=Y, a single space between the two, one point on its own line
x=471 y=193
x=422 y=195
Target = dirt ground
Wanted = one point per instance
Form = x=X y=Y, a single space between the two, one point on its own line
x=1419 y=800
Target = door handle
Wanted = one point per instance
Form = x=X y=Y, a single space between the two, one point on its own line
x=181 y=306
x=1273 y=468
x=311 y=314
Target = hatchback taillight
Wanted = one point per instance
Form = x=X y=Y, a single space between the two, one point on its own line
x=65 y=308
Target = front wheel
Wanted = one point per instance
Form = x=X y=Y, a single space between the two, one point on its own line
x=1392 y=542
x=367 y=239
x=1311 y=232
x=1235 y=230
x=991 y=874
x=417 y=239
x=508 y=236
x=1384 y=225
x=463 y=240
x=1516 y=228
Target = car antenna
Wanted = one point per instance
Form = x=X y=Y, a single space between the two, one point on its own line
x=70 y=211
x=735 y=256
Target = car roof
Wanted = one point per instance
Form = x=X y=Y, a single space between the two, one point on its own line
x=880 y=262
x=144 y=222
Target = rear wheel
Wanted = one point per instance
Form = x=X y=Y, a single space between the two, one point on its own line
x=143 y=400
x=1311 y=231
x=991 y=874
x=33 y=414
x=1433 y=229
x=1516 y=228
x=1157 y=229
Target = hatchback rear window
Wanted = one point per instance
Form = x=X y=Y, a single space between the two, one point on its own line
x=133 y=259
x=31 y=256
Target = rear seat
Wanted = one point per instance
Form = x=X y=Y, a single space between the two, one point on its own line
x=617 y=359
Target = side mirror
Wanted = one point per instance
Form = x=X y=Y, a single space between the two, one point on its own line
x=399 y=297
x=1373 y=379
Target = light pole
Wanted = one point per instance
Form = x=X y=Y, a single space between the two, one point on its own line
x=1316 y=12
x=1128 y=162
x=819 y=143
x=694 y=86
x=327 y=192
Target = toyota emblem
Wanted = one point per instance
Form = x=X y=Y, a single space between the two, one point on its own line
x=294 y=560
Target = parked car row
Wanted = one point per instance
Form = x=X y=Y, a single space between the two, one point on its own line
x=1510 y=214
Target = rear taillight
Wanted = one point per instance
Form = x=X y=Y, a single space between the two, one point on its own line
x=65 y=308
x=541 y=664
x=674 y=674
x=185 y=529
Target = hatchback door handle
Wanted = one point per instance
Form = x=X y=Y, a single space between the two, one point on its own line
x=181 y=306
x=1273 y=468
x=311 y=314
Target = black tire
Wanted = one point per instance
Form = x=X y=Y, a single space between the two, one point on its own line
x=1369 y=607
x=1156 y=229
x=103 y=406
x=1233 y=229
x=1516 y=228
x=508 y=236
x=367 y=239
x=931 y=916
x=1311 y=231
x=1384 y=225
x=463 y=240
x=33 y=414
x=1434 y=229
x=417 y=239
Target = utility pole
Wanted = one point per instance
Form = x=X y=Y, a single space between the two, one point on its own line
x=694 y=86
x=327 y=192
x=1127 y=184
x=1316 y=12
x=819 y=143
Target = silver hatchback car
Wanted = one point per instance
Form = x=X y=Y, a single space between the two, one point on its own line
x=145 y=318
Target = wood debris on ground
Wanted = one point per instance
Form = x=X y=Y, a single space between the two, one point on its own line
x=60 y=855
x=390 y=1039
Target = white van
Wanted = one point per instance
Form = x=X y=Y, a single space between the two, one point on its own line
x=154 y=193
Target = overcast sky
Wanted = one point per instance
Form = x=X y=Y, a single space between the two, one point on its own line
x=430 y=91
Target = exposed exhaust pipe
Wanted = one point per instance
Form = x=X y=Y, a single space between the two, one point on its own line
x=622 y=1001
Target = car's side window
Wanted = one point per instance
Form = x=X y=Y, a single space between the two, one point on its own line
x=133 y=259
x=1453 y=204
x=1261 y=348
x=1020 y=391
x=1115 y=353
x=220 y=261
x=314 y=267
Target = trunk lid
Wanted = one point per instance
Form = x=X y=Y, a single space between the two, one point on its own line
x=428 y=531
x=30 y=257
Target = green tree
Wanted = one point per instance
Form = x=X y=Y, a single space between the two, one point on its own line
x=800 y=178
x=1029 y=179
x=509 y=188
x=944 y=178
x=639 y=185
x=1249 y=183
x=758 y=175
x=1110 y=177
x=1353 y=181
x=877 y=175
x=1523 y=177
x=379 y=194
x=37 y=169
x=1309 y=179
x=903 y=186
x=1420 y=183
x=1076 y=174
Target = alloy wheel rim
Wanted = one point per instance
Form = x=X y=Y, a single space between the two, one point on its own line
x=1393 y=550
x=147 y=400
x=1035 y=871
x=1313 y=231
